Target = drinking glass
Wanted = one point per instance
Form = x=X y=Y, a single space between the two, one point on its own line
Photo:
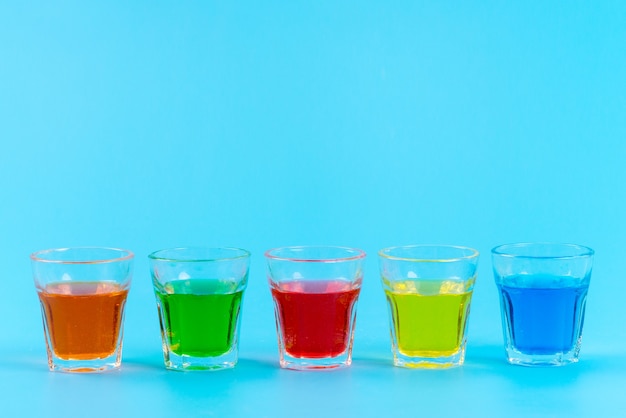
x=199 y=293
x=315 y=291
x=82 y=293
x=429 y=290
x=543 y=292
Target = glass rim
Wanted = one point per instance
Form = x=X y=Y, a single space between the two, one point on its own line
x=360 y=254
x=474 y=253
x=155 y=255
x=125 y=255
x=583 y=251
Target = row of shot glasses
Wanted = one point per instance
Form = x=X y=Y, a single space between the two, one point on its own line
x=199 y=294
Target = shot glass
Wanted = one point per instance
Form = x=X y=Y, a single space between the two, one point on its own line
x=543 y=292
x=82 y=293
x=315 y=292
x=429 y=290
x=199 y=292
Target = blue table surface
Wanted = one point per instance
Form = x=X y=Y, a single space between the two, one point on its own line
x=149 y=125
x=486 y=385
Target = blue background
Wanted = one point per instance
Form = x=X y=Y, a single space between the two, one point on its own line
x=147 y=125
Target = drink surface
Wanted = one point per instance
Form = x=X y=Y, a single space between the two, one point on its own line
x=315 y=317
x=199 y=316
x=544 y=320
x=83 y=318
x=429 y=318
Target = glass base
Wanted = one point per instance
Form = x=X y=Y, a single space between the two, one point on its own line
x=97 y=365
x=542 y=360
x=429 y=362
x=184 y=362
x=325 y=363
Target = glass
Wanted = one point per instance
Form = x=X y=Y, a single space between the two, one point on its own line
x=429 y=290
x=315 y=292
x=82 y=293
x=543 y=292
x=199 y=292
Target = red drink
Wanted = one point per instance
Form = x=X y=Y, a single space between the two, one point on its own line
x=315 y=316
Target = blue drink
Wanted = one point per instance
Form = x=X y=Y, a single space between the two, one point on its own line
x=544 y=321
x=543 y=316
x=543 y=293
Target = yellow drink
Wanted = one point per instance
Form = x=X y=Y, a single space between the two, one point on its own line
x=429 y=318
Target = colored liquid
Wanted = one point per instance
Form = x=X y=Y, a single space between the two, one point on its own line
x=199 y=317
x=544 y=320
x=315 y=317
x=83 y=319
x=429 y=325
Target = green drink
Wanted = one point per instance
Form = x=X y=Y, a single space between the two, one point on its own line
x=198 y=292
x=199 y=317
x=429 y=325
